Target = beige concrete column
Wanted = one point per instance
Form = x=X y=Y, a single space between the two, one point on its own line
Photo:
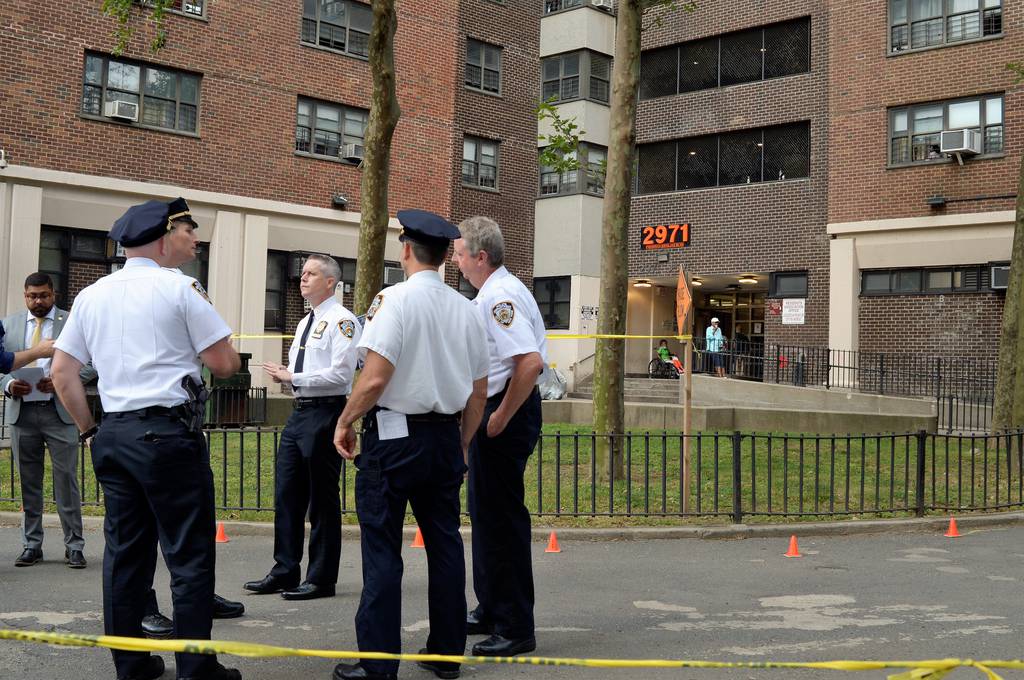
x=225 y=266
x=253 y=285
x=843 y=305
x=23 y=237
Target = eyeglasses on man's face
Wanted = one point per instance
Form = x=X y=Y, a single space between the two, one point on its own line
x=38 y=296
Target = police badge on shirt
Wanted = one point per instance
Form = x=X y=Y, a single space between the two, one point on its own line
x=504 y=313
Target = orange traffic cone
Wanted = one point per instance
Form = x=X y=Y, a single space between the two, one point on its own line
x=553 y=544
x=952 y=532
x=222 y=537
x=794 y=551
x=417 y=542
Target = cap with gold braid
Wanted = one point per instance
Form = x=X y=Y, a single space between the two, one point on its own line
x=145 y=223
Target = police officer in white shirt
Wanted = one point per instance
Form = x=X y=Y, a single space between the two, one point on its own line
x=321 y=363
x=147 y=332
x=502 y=571
x=422 y=390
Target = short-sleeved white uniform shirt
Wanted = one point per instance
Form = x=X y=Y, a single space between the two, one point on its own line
x=142 y=328
x=331 y=351
x=433 y=337
x=514 y=325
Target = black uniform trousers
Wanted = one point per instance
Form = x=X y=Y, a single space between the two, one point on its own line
x=502 y=567
x=307 y=472
x=424 y=470
x=157 y=486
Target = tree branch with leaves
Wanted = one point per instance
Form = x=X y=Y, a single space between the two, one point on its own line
x=123 y=10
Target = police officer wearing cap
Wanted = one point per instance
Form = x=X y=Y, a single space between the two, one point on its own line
x=420 y=394
x=321 y=363
x=502 y=570
x=148 y=332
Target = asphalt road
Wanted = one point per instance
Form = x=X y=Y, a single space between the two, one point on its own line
x=881 y=596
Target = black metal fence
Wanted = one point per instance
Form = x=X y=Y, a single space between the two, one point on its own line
x=963 y=387
x=732 y=475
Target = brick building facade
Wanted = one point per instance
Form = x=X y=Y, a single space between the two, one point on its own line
x=255 y=114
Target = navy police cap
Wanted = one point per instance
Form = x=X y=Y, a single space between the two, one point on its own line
x=427 y=228
x=145 y=223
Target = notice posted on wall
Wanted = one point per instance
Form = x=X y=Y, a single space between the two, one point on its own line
x=793 y=311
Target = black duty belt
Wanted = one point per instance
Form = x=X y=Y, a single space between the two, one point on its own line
x=41 y=402
x=370 y=419
x=180 y=411
x=310 y=402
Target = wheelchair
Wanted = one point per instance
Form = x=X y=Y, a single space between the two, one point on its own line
x=661 y=370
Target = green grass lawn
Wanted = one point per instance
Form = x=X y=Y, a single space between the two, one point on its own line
x=800 y=477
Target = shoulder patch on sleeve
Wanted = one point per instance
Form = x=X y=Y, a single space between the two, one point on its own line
x=374 y=306
x=198 y=288
x=347 y=328
x=504 y=313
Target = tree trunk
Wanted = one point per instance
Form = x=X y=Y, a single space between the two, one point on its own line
x=384 y=113
x=1009 y=402
x=609 y=362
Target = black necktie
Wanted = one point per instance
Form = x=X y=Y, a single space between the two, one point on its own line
x=301 y=356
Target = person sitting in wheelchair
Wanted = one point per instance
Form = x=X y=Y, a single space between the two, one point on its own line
x=666 y=356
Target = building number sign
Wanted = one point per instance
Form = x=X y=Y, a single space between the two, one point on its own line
x=665 y=236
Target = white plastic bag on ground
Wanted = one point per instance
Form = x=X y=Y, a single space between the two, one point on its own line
x=551 y=383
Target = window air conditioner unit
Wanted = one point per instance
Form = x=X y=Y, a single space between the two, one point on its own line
x=351 y=152
x=122 y=110
x=1000 y=276
x=393 y=275
x=960 y=142
x=603 y=4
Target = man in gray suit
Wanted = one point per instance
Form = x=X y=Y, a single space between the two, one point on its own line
x=35 y=422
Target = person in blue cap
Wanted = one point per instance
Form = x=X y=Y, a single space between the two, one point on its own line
x=421 y=395
x=148 y=331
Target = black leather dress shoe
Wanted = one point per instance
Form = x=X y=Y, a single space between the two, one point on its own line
x=157 y=626
x=150 y=669
x=219 y=673
x=269 y=584
x=497 y=645
x=74 y=559
x=28 y=557
x=476 y=625
x=226 y=609
x=444 y=670
x=308 y=591
x=353 y=671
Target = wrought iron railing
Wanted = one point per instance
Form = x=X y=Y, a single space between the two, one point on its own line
x=732 y=475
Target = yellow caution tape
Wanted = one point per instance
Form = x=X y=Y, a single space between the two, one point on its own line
x=932 y=669
x=550 y=336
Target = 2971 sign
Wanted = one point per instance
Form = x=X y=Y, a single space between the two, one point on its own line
x=664 y=236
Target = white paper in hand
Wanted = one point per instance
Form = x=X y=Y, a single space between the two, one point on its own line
x=32 y=375
x=391 y=425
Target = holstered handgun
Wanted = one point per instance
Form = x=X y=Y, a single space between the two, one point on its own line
x=196 y=404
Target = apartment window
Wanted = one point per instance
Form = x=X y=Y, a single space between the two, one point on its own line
x=740 y=157
x=151 y=96
x=914 y=131
x=558 y=5
x=927 y=280
x=739 y=57
x=587 y=178
x=466 y=288
x=322 y=129
x=576 y=75
x=277 y=278
x=483 y=66
x=552 y=295
x=787 y=285
x=53 y=261
x=194 y=8
x=479 y=162
x=341 y=25
x=914 y=24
